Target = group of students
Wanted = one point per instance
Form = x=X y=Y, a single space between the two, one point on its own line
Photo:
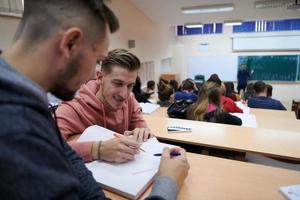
x=215 y=100
x=55 y=49
x=210 y=101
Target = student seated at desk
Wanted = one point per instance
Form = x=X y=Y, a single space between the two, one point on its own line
x=188 y=91
x=249 y=93
x=269 y=90
x=139 y=95
x=260 y=100
x=150 y=87
x=230 y=93
x=36 y=163
x=174 y=84
x=208 y=107
x=108 y=102
x=227 y=103
x=165 y=94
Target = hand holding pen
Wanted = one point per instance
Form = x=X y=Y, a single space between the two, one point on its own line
x=174 y=167
x=119 y=149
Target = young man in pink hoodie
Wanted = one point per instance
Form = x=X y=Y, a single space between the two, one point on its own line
x=107 y=101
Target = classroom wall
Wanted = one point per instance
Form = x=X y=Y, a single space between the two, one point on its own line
x=220 y=45
x=8 y=26
x=153 y=42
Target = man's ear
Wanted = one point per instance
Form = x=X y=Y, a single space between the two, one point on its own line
x=71 y=41
x=99 y=75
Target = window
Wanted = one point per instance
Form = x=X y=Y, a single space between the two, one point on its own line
x=213 y=28
x=146 y=72
x=268 y=26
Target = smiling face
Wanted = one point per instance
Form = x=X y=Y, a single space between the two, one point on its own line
x=116 y=86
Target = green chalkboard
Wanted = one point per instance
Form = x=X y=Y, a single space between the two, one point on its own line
x=271 y=68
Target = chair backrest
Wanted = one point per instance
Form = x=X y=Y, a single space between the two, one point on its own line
x=199 y=78
x=295 y=105
x=297 y=111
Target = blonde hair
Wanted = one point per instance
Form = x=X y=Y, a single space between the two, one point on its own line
x=203 y=99
x=223 y=88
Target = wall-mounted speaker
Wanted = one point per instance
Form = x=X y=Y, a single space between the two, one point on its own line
x=131 y=44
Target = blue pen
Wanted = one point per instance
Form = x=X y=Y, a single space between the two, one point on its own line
x=172 y=154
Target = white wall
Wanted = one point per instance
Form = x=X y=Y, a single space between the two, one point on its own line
x=153 y=42
x=8 y=27
x=220 y=44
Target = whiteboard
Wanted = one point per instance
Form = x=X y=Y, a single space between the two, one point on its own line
x=226 y=66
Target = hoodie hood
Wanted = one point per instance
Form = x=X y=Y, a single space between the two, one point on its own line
x=94 y=110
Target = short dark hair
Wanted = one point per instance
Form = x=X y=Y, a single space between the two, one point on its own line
x=269 y=90
x=43 y=17
x=121 y=58
x=137 y=86
x=151 y=84
x=259 y=87
x=187 y=85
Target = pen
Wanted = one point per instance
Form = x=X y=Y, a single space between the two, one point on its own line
x=171 y=154
x=119 y=135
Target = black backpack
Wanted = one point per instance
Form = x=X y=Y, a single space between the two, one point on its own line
x=178 y=109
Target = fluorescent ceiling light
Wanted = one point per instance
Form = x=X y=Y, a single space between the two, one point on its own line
x=233 y=23
x=294 y=7
x=193 y=25
x=208 y=9
x=273 y=3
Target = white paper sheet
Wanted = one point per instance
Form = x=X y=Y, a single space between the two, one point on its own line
x=128 y=179
x=249 y=120
x=148 y=108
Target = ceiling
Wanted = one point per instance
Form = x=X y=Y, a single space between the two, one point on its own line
x=168 y=12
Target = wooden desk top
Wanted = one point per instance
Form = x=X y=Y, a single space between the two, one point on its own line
x=276 y=143
x=217 y=178
x=269 y=119
x=276 y=123
x=273 y=113
x=162 y=112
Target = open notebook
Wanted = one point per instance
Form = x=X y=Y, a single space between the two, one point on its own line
x=129 y=179
x=291 y=192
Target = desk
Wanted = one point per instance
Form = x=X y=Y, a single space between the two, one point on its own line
x=160 y=112
x=275 y=143
x=277 y=123
x=269 y=119
x=273 y=113
x=217 y=178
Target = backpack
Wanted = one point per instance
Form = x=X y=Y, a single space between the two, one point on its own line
x=178 y=109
